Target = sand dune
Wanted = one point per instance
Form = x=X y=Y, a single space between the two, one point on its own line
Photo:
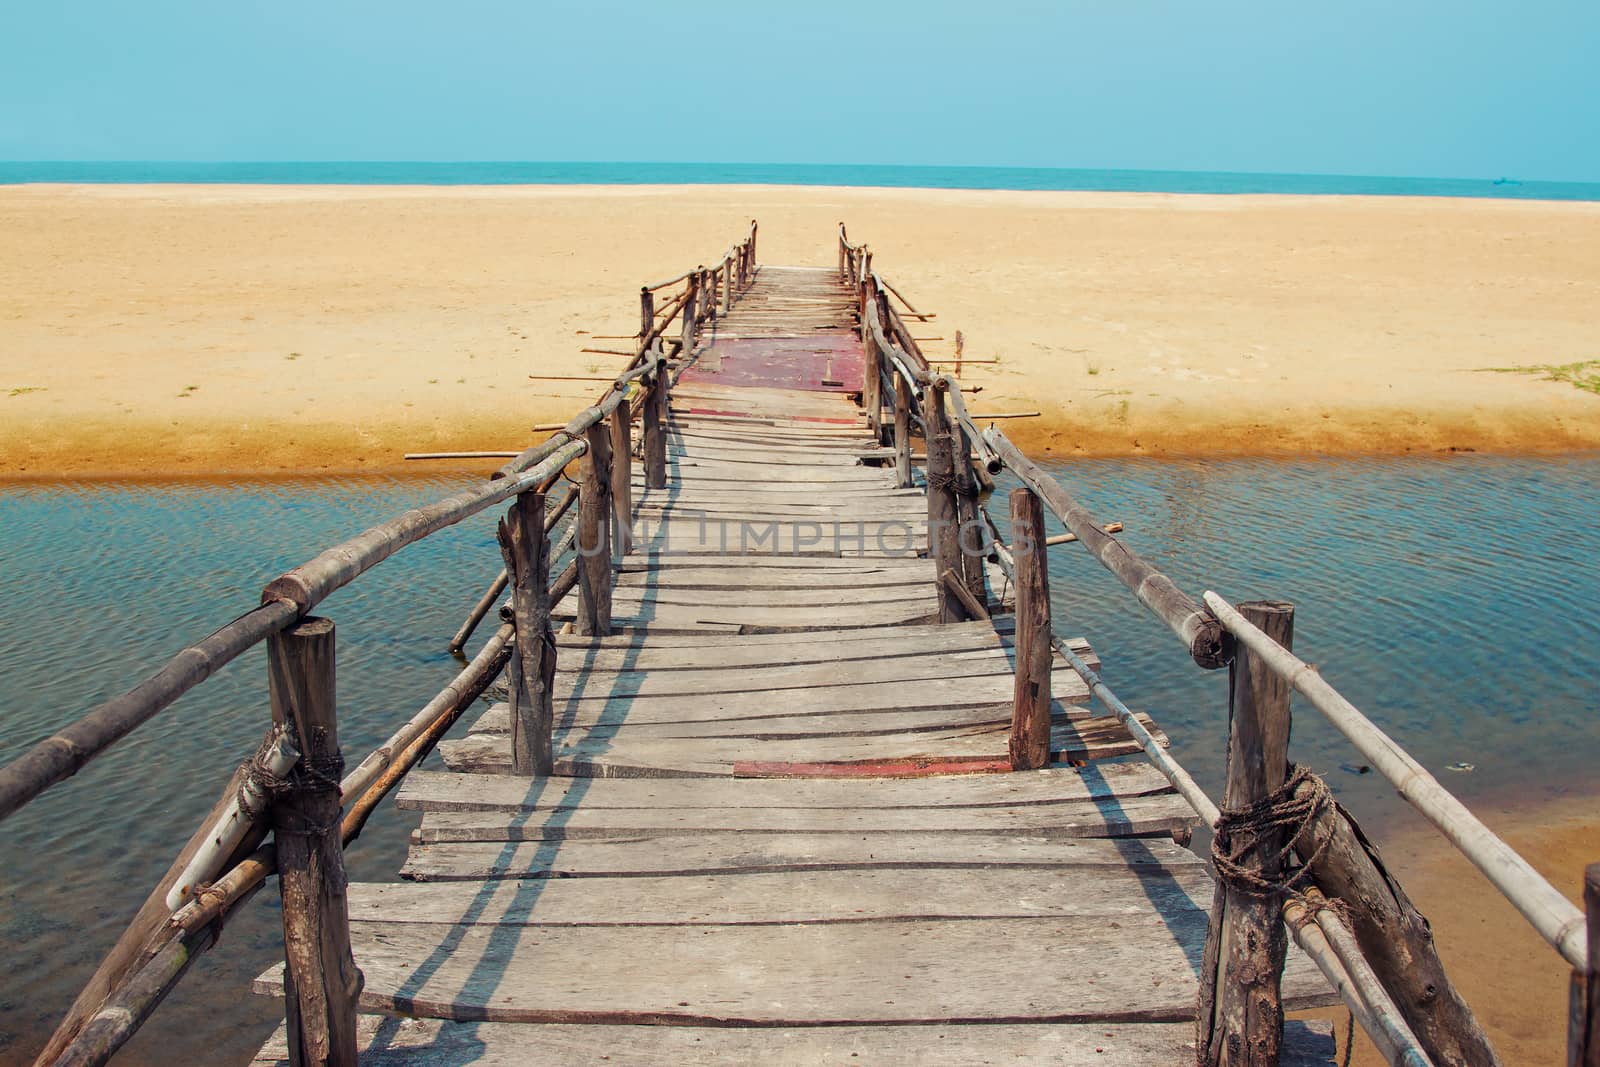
x=212 y=329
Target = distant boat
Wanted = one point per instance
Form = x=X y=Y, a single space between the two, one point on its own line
x=1506 y=181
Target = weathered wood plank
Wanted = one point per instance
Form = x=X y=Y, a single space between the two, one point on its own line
x=787 y=897
x=391 y=1042
x=444 y=791
x=1094 y=817
x=1060 y=969
x=977 y=695
x=614 y=751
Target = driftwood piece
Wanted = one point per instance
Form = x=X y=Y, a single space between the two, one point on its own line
x=1030 y=707
x=1394 y=938
x=1208 y=643
x=531 y=672
x=1240 y=1020
x=321 y=982
x=594 y=537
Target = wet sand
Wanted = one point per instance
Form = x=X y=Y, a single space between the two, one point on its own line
x=190 y=330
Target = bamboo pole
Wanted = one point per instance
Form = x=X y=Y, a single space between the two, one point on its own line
x=594 y=538
x=1241 y=1015
x=123 y=958
x=197 y=924
x=531 y=671
x=1320 y=937
x=310 y=583
x=1556 y=919
x=68 y=750
x=1208 y=643
x=507 y=454
x=1030 y=706
x=320 y=978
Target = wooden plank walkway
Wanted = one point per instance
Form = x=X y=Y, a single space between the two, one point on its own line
x=757 y=844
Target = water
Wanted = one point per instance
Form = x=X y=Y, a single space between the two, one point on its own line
x=1454 y=600
x=880 y=175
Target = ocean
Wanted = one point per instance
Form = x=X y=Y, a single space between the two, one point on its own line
x=863 y=175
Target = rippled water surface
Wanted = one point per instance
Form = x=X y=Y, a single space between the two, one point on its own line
x=1455 y=600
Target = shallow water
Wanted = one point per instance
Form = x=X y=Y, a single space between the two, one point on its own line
x=1454 y=600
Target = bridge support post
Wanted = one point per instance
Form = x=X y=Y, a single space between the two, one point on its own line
x=970 y=531
x=944 y=533
x=655 y=432
x=1240 y=1017
x=902 y=431
x=1583 y=1021
x=622 y=481
x=872 y=381
x=530 y=675
x=594 y=536
x=647 y=317
x=320 y=979
x=1030 y=706
x=689 y=313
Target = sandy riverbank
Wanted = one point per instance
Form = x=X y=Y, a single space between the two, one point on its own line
x=1515 y=983
x=219 y=329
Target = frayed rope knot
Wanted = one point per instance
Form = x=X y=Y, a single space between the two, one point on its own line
x=1240 y=848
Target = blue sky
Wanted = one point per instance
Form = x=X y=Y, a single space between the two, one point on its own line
x=1418 y=88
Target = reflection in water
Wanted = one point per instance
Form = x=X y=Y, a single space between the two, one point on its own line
x=1421 y=586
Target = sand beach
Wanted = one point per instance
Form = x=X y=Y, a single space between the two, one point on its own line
x=170 y=330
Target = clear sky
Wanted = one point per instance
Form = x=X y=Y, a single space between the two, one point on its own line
x=1437 y=88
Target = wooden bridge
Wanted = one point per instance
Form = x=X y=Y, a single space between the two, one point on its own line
x=789 y=765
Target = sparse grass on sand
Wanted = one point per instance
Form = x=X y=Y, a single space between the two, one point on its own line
x=1584 y=374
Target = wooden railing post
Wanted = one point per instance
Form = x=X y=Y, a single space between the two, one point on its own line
x=688 y=313
x=708 y=293
x=621 y=482
x=655 y=432
x=1583 y=1020
x=594 y=536
x=647 y=316
x=1240 y=1017
x=872 y=381
x=320 y=979
x=902 y=431
x=969 y=528
x=943 y=528
x=727 y=285
x=1030 y=708
x=531 y=673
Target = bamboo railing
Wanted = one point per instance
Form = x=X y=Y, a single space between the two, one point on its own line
x=1370 y=943
x=295 y=789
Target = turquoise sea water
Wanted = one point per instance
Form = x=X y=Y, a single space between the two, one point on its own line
x=1144 y=181
x=1455 y=600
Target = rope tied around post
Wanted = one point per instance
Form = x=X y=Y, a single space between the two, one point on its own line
x=260 y=787
x=313 y=774
x=1241 y=831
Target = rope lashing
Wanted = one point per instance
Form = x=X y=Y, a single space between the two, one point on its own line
x=1238 y=849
